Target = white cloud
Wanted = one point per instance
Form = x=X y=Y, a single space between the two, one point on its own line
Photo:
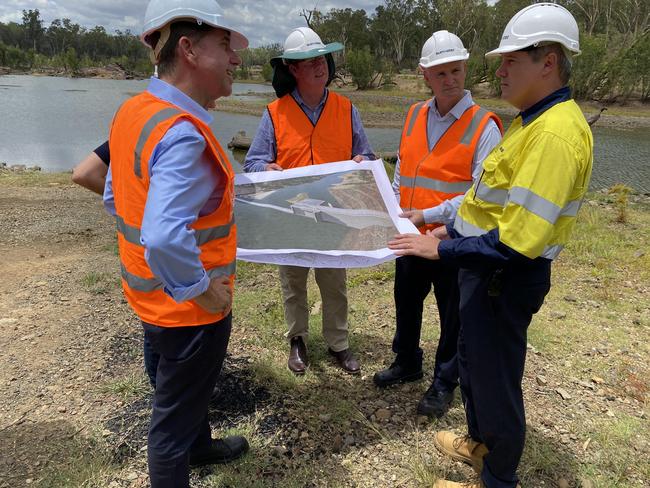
x=263 y=21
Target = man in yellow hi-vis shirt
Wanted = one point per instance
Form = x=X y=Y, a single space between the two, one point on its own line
x=512 y=223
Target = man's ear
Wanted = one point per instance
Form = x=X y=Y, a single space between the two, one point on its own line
x=550 y=63
x=292 y=68
x=426 y=73
x=186 y=49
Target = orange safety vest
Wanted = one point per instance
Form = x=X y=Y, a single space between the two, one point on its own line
x=299 y=142
x=137 y=128
x=429 y=177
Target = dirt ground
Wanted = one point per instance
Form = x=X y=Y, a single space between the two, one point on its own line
x=74 y=402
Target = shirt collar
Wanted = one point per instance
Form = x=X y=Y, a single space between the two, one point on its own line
x=296 y=96
x=457 y=110
x=169 y=93
x=558 y=96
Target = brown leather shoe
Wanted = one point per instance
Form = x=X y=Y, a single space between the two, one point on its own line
x=461 y=448
x=346 y=361
x=298 y=361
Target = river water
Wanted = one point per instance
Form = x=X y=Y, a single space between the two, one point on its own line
x=53 y=122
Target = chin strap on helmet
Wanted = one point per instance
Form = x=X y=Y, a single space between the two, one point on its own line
x=154 y=52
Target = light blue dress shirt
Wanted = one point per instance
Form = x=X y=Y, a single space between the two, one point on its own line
x=437 y=125
x=183 y=186
x=263 y=149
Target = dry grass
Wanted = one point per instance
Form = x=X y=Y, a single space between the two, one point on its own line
x=590 y=339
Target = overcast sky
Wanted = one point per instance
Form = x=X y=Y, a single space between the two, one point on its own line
x=262 y=21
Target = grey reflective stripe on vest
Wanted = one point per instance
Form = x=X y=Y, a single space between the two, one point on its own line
x=225 y=270
x=131 y=234
x=470 y=132
x=571 y=209
x=152 y=284
x=414 y=117
x=551 y=252
x=202 y=236
x=436 y=185
x=492 y=195
x=466 y=229
x=542 y=207
x=157 y=118
x=206 y=235
x=532 y=202
x=138 y=283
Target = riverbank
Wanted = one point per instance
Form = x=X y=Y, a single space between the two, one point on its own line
x=386 y=109
x=378 y=108
x=74 y=401
x=108 y=72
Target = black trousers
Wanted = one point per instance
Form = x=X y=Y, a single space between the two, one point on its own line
x=190 y=362
x=414 y=278
x=496 y=308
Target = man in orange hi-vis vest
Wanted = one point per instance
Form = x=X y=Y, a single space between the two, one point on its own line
x=443 y=144
x=170 y=187
x=309 y=124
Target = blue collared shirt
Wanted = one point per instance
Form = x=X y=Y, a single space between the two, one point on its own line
x=437 y=125
x=263 y=149
x=537 y=109
x=183 y=186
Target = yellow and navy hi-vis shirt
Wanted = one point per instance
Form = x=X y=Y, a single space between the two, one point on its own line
x=532 y=183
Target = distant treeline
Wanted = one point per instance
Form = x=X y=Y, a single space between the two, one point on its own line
x=615 y=43
x=67 y=46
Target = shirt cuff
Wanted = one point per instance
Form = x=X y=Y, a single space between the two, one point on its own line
x=446 y=249
x=255 y=167
x=434 y=216
x=184 y=293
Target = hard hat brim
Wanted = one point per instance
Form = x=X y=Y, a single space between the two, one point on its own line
x=503 y=50
x=313 y=53
x=237 y=39
x=511 y=49
x=450 y=59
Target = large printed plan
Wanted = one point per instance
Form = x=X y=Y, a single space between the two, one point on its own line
x=335 y=215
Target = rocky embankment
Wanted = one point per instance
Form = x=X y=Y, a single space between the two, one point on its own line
x=113 y=71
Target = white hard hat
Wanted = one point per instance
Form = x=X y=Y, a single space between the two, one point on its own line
x=442 y=47
x=304 y=43
x=538 y=24
x=160 y=13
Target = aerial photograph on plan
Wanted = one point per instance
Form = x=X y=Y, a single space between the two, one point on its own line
x=339 y=211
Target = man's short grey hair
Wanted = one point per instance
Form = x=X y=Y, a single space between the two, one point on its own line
x=563 y=60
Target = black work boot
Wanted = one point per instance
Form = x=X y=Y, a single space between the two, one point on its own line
x=435 y=402
x=220 y=451
x=396 y=373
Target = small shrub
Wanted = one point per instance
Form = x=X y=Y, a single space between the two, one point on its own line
x=360 y=63
x=621 y=193
x=267 y=72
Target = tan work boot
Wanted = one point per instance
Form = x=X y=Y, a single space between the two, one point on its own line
x=455 y=484
x=462 y=448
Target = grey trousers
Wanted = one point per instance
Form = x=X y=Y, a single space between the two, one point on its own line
x=333 y=292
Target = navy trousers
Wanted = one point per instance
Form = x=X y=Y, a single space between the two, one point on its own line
x=190 y=362
x=414 y=278
x=496 y=308
x=151 y=359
